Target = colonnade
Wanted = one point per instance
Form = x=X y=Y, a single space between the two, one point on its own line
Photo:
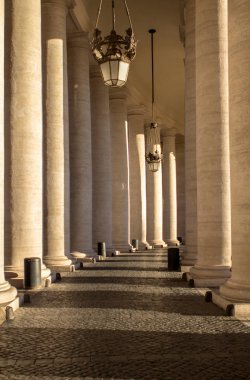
x=217 y=142
x=73 y=169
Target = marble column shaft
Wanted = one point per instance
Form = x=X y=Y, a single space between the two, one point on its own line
x=238 y=287
x=212 y=148
x=53 y=36
x=169 y=188
x=101 y=159
x=80 y=143
x=7 y=293
x=137 y=175
x=25 y=139
x=120 y=170
x=154 y=207
x=54 y=27
x=190 y=254
x=180 y=183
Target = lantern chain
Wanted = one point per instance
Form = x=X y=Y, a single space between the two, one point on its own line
x=98 y=14
x=129 y=18
x=113 y=13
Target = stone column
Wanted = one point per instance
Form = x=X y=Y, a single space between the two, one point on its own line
x=120 y=170
x=54 y=45
x=80 y=143
x=25 y=139
x=238 y=287
x=7 y=292
x=180 y=184
x=101 y=159
x=169 y=188
x=190 y=254
x=213 y=176
x=155 y=208
x=137 y=175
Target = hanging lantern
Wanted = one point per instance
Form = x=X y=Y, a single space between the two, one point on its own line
x=153 y=147
x=114 y=52
x=153 y=141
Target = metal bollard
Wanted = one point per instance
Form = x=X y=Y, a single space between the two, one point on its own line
x=173 y=259
x=101 y=249
x=179 y=238
x=32 y=272
x=135 y=244
x=9 y=313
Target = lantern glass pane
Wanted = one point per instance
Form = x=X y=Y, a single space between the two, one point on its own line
x=105 y=71
x=114 y=69
x=154 y=166
x=123 y=71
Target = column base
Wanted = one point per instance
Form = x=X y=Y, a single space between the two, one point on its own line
x=208 y=276
x=7 y=293
x=143 y=245
x=235 y=292
x=159 y=244
x=59 y=264
x=240 y=310
x=79 y=257
x=56 y=261
x=172 y=242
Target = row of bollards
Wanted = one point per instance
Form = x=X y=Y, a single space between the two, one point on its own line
x=32 y=265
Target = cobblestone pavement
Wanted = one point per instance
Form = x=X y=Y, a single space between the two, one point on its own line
x=126 y=318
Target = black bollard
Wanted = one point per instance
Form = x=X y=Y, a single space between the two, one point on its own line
x=32 y=272
x=135 y=244
x=173 y=259
x=101 y=249
x=179 y=238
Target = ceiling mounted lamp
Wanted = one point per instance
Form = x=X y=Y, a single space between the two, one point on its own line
x=114 y=52
x=153 y=140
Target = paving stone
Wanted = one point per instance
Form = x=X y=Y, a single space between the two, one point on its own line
x=125 y=318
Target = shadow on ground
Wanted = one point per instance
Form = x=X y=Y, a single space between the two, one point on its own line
x=125 y=354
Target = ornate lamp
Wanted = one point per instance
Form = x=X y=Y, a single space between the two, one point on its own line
x=114 y=52
x=153 y=142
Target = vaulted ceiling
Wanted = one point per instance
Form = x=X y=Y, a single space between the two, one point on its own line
x=164 y=16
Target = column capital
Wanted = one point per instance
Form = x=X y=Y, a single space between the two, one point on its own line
x=138 y=109
x=78 y=39
x=117 y=93
x=66 y=4
x=167 y=132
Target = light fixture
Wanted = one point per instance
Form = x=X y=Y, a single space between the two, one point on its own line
x=114 y=52
x=153 y=141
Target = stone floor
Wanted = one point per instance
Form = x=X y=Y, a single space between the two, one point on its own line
x=126 y=318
